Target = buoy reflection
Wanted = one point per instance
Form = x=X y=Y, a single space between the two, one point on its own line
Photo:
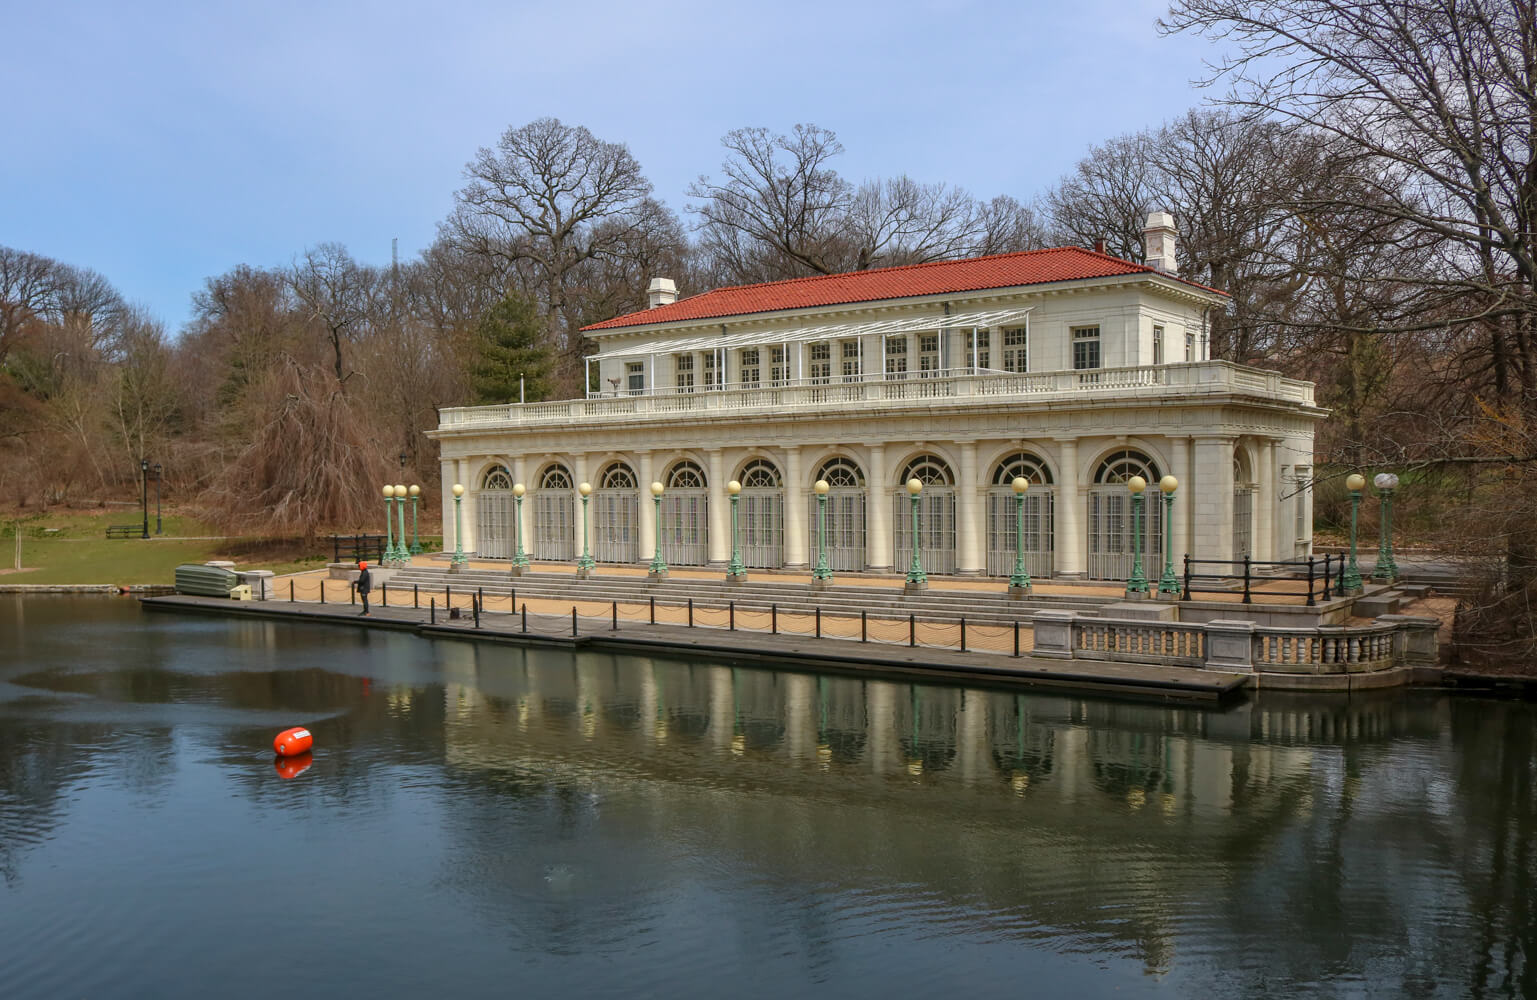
x=292 y=767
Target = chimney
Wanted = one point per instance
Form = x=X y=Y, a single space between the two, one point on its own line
x=1158 y=242
x=1099 y=246
x=661 y=293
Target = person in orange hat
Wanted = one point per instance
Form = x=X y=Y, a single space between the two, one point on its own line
x=365 y=584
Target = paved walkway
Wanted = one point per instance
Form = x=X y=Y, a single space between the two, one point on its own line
x=877 y=657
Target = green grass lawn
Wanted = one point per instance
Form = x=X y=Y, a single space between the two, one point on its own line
x=72 y=547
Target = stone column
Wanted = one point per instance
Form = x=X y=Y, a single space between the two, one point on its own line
x=579 y=475
x=448 y=468
x=1212 y=500
x=1069 y=561
x=646 y=474
x=969 y=528
x=877 y=512
x=720 y=511
x=798 y=542
x=462 y=476
x=521 y=512
x=1265 y=502
x=1184 y=499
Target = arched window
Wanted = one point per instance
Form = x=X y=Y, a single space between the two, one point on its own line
x=686 y=476
x=1120 y=466
x=759 y=474
x=616 y=476
x=555 y=478
x=930 y=470
x=841 y=473
x=1021 y=465
x=496 y=478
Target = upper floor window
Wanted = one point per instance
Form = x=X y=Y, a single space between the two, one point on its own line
x=635 y=375
x=850 y=355
x=978 y=345
x=1016 y=349
x=779 y=371
x=821 y=363
x=683 y=364
x=1086 y=347
x=928 y=352
x=711 y=374
x=752 y=371
x=1157 y=345
x=896 y=356
x=1190 y=347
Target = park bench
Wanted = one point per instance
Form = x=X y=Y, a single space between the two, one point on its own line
x=124 y=530
x=351 y=548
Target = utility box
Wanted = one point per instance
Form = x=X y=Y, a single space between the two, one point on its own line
x=240 y=592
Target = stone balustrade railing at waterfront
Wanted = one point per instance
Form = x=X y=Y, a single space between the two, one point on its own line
x=1393 y=641
x=1175 y=381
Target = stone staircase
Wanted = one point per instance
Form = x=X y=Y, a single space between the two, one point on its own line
x=755 y=595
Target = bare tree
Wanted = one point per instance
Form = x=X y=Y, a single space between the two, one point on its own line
x=26 y=291
x=335 y=291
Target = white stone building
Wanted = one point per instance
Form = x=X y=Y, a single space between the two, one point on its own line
x=1069 y=367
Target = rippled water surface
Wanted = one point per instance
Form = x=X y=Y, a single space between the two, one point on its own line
x=482 y=820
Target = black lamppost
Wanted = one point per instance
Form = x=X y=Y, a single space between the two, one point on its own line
x=156 y=470
x=144 y=494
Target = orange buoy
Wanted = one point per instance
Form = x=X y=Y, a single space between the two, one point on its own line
x=292 y=767
x=292 y=742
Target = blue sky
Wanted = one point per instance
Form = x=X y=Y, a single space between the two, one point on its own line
x=160 y=143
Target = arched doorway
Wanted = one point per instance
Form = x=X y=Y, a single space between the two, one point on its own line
x=1110 y=523
x=494 y=527
x=1243 y=508
x=846 y=552
x=554 y=516
x=1040 y=510
x=763 y=515
x=685 y=513
x=936 y=516
x=616 y=515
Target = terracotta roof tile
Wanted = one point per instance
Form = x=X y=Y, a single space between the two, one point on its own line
x=1031 y=267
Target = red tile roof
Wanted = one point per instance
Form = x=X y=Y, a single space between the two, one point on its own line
x=1032 y=267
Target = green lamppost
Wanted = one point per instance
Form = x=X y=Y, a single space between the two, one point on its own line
x=519 y=557
x=402 y=554
x=458 y=562
x=1138 y=582
x=821 y=575
x=658 y=568
x=416 y=540
x=1168 y=584
x=1019 y=581
x=916 y=580
x=1387 y=569
x=389 y=525
x=735 y=571
x=1350 y=580
x=584 y=564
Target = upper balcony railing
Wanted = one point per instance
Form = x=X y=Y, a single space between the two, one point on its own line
x=895 y=390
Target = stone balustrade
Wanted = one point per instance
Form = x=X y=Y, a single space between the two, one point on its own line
x=859 y=392
x=1393 y=641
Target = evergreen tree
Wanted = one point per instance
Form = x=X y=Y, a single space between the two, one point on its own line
x=506 y=349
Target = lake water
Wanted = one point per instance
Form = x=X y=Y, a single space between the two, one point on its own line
x=484 y=820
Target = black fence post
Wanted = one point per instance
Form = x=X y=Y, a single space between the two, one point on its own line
x=290 y=591
x=1310 y=582
x=613 y=625
x=773 y=619
x=416 y=595
x=573 y=621
x=653 y=609
x=1246 y=598
x=1328 y=558
x=963 y=633
x=480 y=595
x=448 y=595
x=912 y=630
x=1339 y=578
x=690 y=612
x=1016 y=638
x=1186 y=596
x=864 y=626
x=514 y=599
x=384 y=594
x=819 y=622
x=477 y=612
x=433 y=611
x=352 y=594
x=731 y=616
x=336 y=549
x=525 y=617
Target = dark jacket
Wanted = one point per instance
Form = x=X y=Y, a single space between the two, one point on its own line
x=365 y=582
